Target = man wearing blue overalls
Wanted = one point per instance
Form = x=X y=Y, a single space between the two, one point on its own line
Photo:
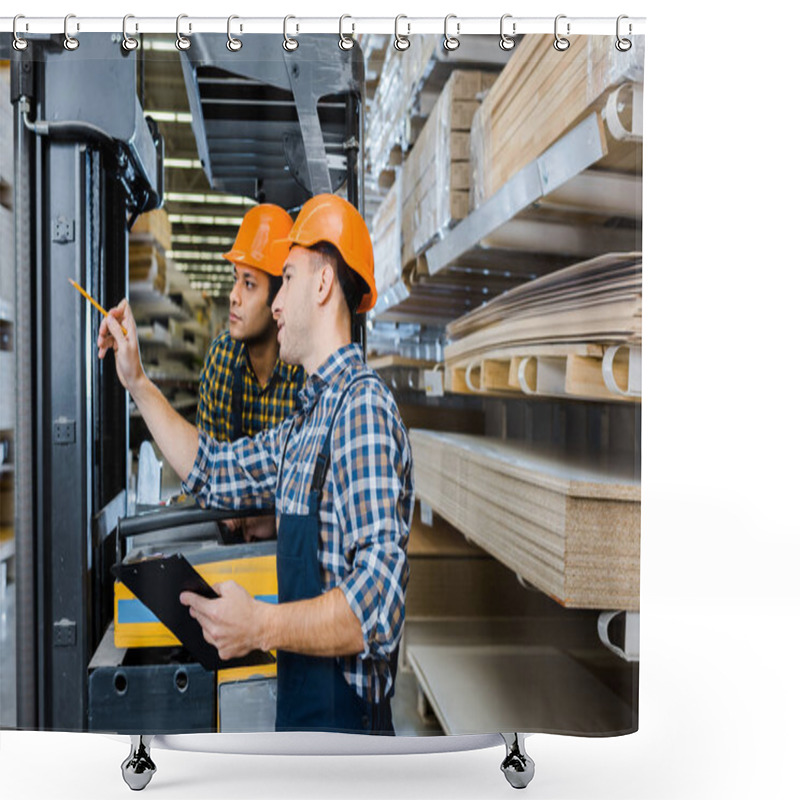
x=339 y=471
x=245 y=387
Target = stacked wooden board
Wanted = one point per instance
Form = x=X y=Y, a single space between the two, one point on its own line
x=150 y=240
x=539 y=96
x=554 y=335
x=386 y=237
x=436 y=174
x=566 y=525
x=400 y=76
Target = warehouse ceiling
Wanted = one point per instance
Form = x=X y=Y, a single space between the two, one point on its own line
x=204 y=221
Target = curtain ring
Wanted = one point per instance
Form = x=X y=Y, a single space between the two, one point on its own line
x=560 y=43
x=346 y=42
x=401 y=43
x=451 y=42
x=623 y=45
x=70 y=42
x=233 y=44
x=506 y=42
x=19 y=43
x=128 y=42
x=182 y=42
x=289 y=44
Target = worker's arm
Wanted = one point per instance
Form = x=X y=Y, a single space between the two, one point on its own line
x=176 y=437
x=236 y=623
x=373 y=512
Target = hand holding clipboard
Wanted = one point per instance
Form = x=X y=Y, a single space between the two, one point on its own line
x=158 y=582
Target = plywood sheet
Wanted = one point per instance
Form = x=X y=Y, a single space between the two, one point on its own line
x=568 y=526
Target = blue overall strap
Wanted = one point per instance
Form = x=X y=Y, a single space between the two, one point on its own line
x=324 y=455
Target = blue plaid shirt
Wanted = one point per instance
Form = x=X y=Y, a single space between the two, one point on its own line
x=365 y=508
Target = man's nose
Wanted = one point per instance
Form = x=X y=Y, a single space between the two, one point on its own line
x=277 y=303
x=234 y=295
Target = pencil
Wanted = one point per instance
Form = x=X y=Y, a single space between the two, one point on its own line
x=93 y=302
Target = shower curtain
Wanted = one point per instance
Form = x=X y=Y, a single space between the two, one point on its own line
x=502 y=189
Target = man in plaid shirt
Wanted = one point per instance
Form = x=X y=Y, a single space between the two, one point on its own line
x=245 y=387
x=340 y=473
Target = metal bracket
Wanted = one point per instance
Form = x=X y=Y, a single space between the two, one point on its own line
x=64 y=431
x=63 y=230
x=65 y=633
x=615 y=104
x=630 y=647
x=634 y=370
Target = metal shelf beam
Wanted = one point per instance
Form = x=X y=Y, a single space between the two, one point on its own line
x=569 y=156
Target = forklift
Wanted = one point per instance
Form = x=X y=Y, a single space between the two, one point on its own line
x=271 y=124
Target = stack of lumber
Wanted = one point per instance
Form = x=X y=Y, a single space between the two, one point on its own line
x=394 y=96
x=568 y=526
x=155 y=227
x=150 y=239
x=436 y=174
x=549 y=336
x=385 y=230
x=539 y=96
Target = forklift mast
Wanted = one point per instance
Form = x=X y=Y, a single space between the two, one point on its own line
x=88 y=162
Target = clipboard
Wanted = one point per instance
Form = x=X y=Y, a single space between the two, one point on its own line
x=158 y=582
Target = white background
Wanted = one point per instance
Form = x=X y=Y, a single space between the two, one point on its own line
x=719 y=698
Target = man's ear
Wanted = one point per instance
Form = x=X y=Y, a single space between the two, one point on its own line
x=326 y=278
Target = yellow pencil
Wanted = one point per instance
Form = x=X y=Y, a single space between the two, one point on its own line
x=93 y=302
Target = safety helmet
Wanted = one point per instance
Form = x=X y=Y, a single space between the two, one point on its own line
x=257 y=242
x=330 y=218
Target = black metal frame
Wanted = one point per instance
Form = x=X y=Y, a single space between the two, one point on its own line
x=87 y=163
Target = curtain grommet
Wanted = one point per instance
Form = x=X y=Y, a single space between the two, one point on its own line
x=233 y=44
x=70 y=42
x=560 y=43
x=182 y=42
x=401 y=42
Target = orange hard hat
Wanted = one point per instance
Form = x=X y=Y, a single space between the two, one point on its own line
x=330 y=218
x=257 y=242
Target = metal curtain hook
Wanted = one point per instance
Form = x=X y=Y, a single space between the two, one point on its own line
x=19 y=43
x=233 y=44
x=506 y=42
x=451 y=42
x=346 y=42
x=623 y=45
x=401 y=42
x=289 y=44
x=560 y=43
x=182 y=42
x=70 y=42
x=128 y=42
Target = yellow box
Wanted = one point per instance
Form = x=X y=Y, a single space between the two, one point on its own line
x=252 y=566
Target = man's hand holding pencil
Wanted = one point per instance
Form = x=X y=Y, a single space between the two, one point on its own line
x=118 y=333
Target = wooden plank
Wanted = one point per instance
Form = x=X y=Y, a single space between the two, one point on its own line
x=437 y=172
x=538 y=97
x=569 y=526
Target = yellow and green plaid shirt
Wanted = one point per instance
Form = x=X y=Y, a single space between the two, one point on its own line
x=261 y=408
